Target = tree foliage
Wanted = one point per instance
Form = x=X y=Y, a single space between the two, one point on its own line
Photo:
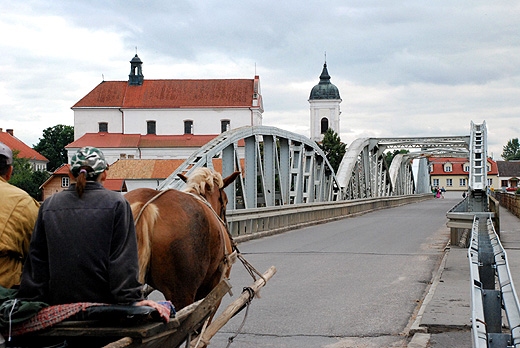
x=27 y=179
x=52 y=145
x=389 y=156
x=511 y=151
x=333 y=148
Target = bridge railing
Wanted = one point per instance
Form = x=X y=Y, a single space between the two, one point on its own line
x=509 y=201
x=246 y=223
x=492 y=289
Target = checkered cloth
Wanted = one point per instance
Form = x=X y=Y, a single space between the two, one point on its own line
x=49 y=316
x=52 y=315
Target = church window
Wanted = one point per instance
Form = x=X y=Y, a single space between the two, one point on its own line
x=188 y=127
x=324 y=125
x=150 y=127
x=103 y=127
x=224 y=125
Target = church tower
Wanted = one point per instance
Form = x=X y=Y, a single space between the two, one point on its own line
x=136 y=72
x=324 y=103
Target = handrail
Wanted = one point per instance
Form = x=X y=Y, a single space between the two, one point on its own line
x=478 y=323
x=486 y=323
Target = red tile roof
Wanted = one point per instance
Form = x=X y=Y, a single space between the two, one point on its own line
x=105 y=140
x=118 y=140
x=457 y=165
x=24 y=151
x=114 y=184
x=151 y=168
x=171 y=94
x=143 y=168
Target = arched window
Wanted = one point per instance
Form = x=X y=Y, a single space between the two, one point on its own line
x=324 y=125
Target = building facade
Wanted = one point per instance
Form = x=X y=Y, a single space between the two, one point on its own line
x=508 y=175
x=452 y=173
x=152 y=110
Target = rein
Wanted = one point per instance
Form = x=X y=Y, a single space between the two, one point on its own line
x=228 y=258
x=248 y=266
x=148 y=203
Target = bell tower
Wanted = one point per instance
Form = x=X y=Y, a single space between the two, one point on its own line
x=136 y=72
x=324 y=103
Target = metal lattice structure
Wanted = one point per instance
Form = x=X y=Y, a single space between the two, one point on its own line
x=363 y=172
x=280 y=167
x=277 y=168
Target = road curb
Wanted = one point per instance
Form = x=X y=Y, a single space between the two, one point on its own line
x=419 y=340
x=420 y=334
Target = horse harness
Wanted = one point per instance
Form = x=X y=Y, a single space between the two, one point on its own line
x=229 y=257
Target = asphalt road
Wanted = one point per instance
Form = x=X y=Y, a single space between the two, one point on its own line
x=355 y=282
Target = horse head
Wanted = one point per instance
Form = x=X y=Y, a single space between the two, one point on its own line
x=209 y=184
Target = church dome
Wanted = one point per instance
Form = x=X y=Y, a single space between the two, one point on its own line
x=325 y=89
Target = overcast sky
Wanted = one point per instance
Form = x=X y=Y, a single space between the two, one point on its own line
x=403 y=68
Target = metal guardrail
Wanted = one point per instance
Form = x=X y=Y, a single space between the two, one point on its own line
x=245 y=223
x=492 y=289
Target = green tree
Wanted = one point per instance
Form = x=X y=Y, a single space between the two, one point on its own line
x=52 y=145
x=511 y=151
x=389 y=156
x=333 y=148
x=27 y=179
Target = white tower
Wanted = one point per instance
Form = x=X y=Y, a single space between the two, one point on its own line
x=324 y=103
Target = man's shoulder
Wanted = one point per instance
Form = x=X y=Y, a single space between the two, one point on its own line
x=12 y=191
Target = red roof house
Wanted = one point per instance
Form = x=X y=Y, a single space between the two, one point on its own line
x=37 y=160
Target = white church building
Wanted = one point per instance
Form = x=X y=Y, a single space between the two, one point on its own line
x=162 y=118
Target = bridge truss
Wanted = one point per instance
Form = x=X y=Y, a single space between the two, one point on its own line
x=363 y=172
x=279 y=167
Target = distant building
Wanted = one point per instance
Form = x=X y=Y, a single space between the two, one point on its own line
x=508 y=174
x=124 y=175
x=452 y=173
x=37 y=160
x=141 y=111
x=60 y=180
x=147 y=173
x=135 y=146
x=324 y=103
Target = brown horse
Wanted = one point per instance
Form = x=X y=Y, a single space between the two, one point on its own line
x=184 y=246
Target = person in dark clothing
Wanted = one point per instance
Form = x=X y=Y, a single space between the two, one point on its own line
x=83 y=247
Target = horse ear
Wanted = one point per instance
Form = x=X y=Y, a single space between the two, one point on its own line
x=183 y=178
x=230 y=179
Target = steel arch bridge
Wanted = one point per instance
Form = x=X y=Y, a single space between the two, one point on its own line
x=279 y=167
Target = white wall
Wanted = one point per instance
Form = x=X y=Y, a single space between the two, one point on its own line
x=171 y=121
x=87 y=121
x=328 y=108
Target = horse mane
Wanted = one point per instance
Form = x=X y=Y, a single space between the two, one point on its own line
x=203 y=179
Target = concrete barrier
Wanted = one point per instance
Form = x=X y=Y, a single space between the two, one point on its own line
x=246 y=224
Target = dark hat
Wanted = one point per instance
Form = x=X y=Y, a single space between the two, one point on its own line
x=6 y=152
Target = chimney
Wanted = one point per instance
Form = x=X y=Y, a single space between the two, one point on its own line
x=10 y=131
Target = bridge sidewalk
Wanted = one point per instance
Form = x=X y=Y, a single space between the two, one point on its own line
x=444 y=319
